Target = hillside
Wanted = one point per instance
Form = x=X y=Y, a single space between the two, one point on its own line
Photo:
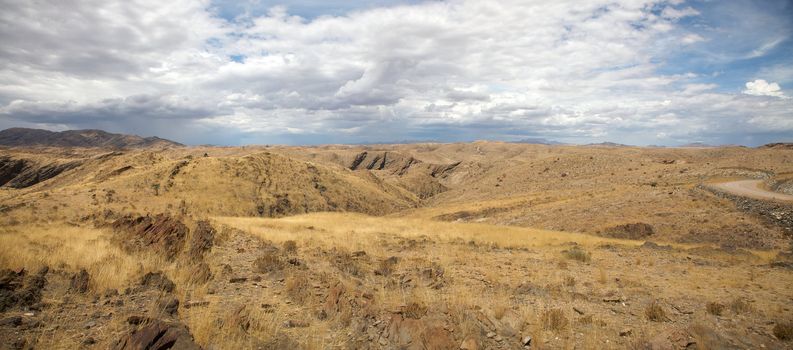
x=478 y=245
x=23 y=137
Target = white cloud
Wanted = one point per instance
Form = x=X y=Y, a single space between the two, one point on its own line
x=568 y=70
x=761 y=87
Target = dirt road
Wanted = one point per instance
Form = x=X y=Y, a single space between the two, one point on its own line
x=751 y=188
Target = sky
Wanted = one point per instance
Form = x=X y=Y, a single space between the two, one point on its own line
x=326 y=71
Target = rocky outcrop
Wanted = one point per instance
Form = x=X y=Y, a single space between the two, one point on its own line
x=21 y=173
x=161 y=233
x=781 y=186
x=157 y=335
x=19 y=289
x=637 y=230
x=394 y=162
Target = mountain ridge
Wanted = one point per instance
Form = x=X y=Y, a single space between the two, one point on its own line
x=27 y=137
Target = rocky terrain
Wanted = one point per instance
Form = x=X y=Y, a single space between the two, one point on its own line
x=481 y=245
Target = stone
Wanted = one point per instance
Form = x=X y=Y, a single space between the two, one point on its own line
x=157 y=280
x=626 y=332
x=80 y=281
x=157 y=334
x=469 y=344
x=169 y=305
x=526 y=341
x=491 y=334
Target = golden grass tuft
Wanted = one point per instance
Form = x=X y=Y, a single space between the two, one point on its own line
x=554 y=320
x=655 y=312
x=578 y=254
x=714 y=308
x=73 y=248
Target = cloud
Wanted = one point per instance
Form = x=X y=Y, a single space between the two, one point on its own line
x=453 y=70
x=761 y=87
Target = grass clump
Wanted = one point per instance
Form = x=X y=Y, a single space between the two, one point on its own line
x=578 y=254
x=714 y=308
x=740 y=306
x=554 y=320
x=655 y=312
x=784 y=331
x=290 y=247
x=268 y=262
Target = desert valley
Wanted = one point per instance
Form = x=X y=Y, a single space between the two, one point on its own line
x=120 y=242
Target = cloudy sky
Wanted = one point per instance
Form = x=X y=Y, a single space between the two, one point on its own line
x=332 y=71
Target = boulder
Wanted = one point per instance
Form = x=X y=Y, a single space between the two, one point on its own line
x=157 y=335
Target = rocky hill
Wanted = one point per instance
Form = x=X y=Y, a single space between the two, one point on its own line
x=24 y=137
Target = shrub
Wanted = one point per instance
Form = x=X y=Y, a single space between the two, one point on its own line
x=578 y=254
x=290 y=247
x=740 y=306
x=784 y=331
x=714 y=308
x=655 y=312
x=267 y=263
x=554 y=320
x=297 y=288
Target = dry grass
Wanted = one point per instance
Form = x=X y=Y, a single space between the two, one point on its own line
x=714 y=308
x=655 y=312
x=554 y=320
x=74 y=248
x=740 y=306
x=578 y=254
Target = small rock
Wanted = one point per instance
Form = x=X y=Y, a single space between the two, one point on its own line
x=526 y=341
x=169 y=305
x=29 y=314
x=238 y=279
x=469 y=344
x=89 y=324
x=626 y=332
x=136 y=319
x=491 y=334
x=383 y=342
x=578 y=311
x=295 y=324
x=498 y=338
x=89 y=341
x=158 y=280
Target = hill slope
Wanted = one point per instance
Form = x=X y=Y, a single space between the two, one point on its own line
x=24 y=137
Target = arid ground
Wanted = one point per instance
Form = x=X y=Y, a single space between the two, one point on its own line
x=482 y=245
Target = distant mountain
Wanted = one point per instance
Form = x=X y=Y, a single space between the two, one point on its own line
x=22 y=137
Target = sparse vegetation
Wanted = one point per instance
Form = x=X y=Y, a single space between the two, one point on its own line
x=554 y=320
x=655 y=312
x=343 y=279
x=784 y=331
x=578 y=254
x=714 y=308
